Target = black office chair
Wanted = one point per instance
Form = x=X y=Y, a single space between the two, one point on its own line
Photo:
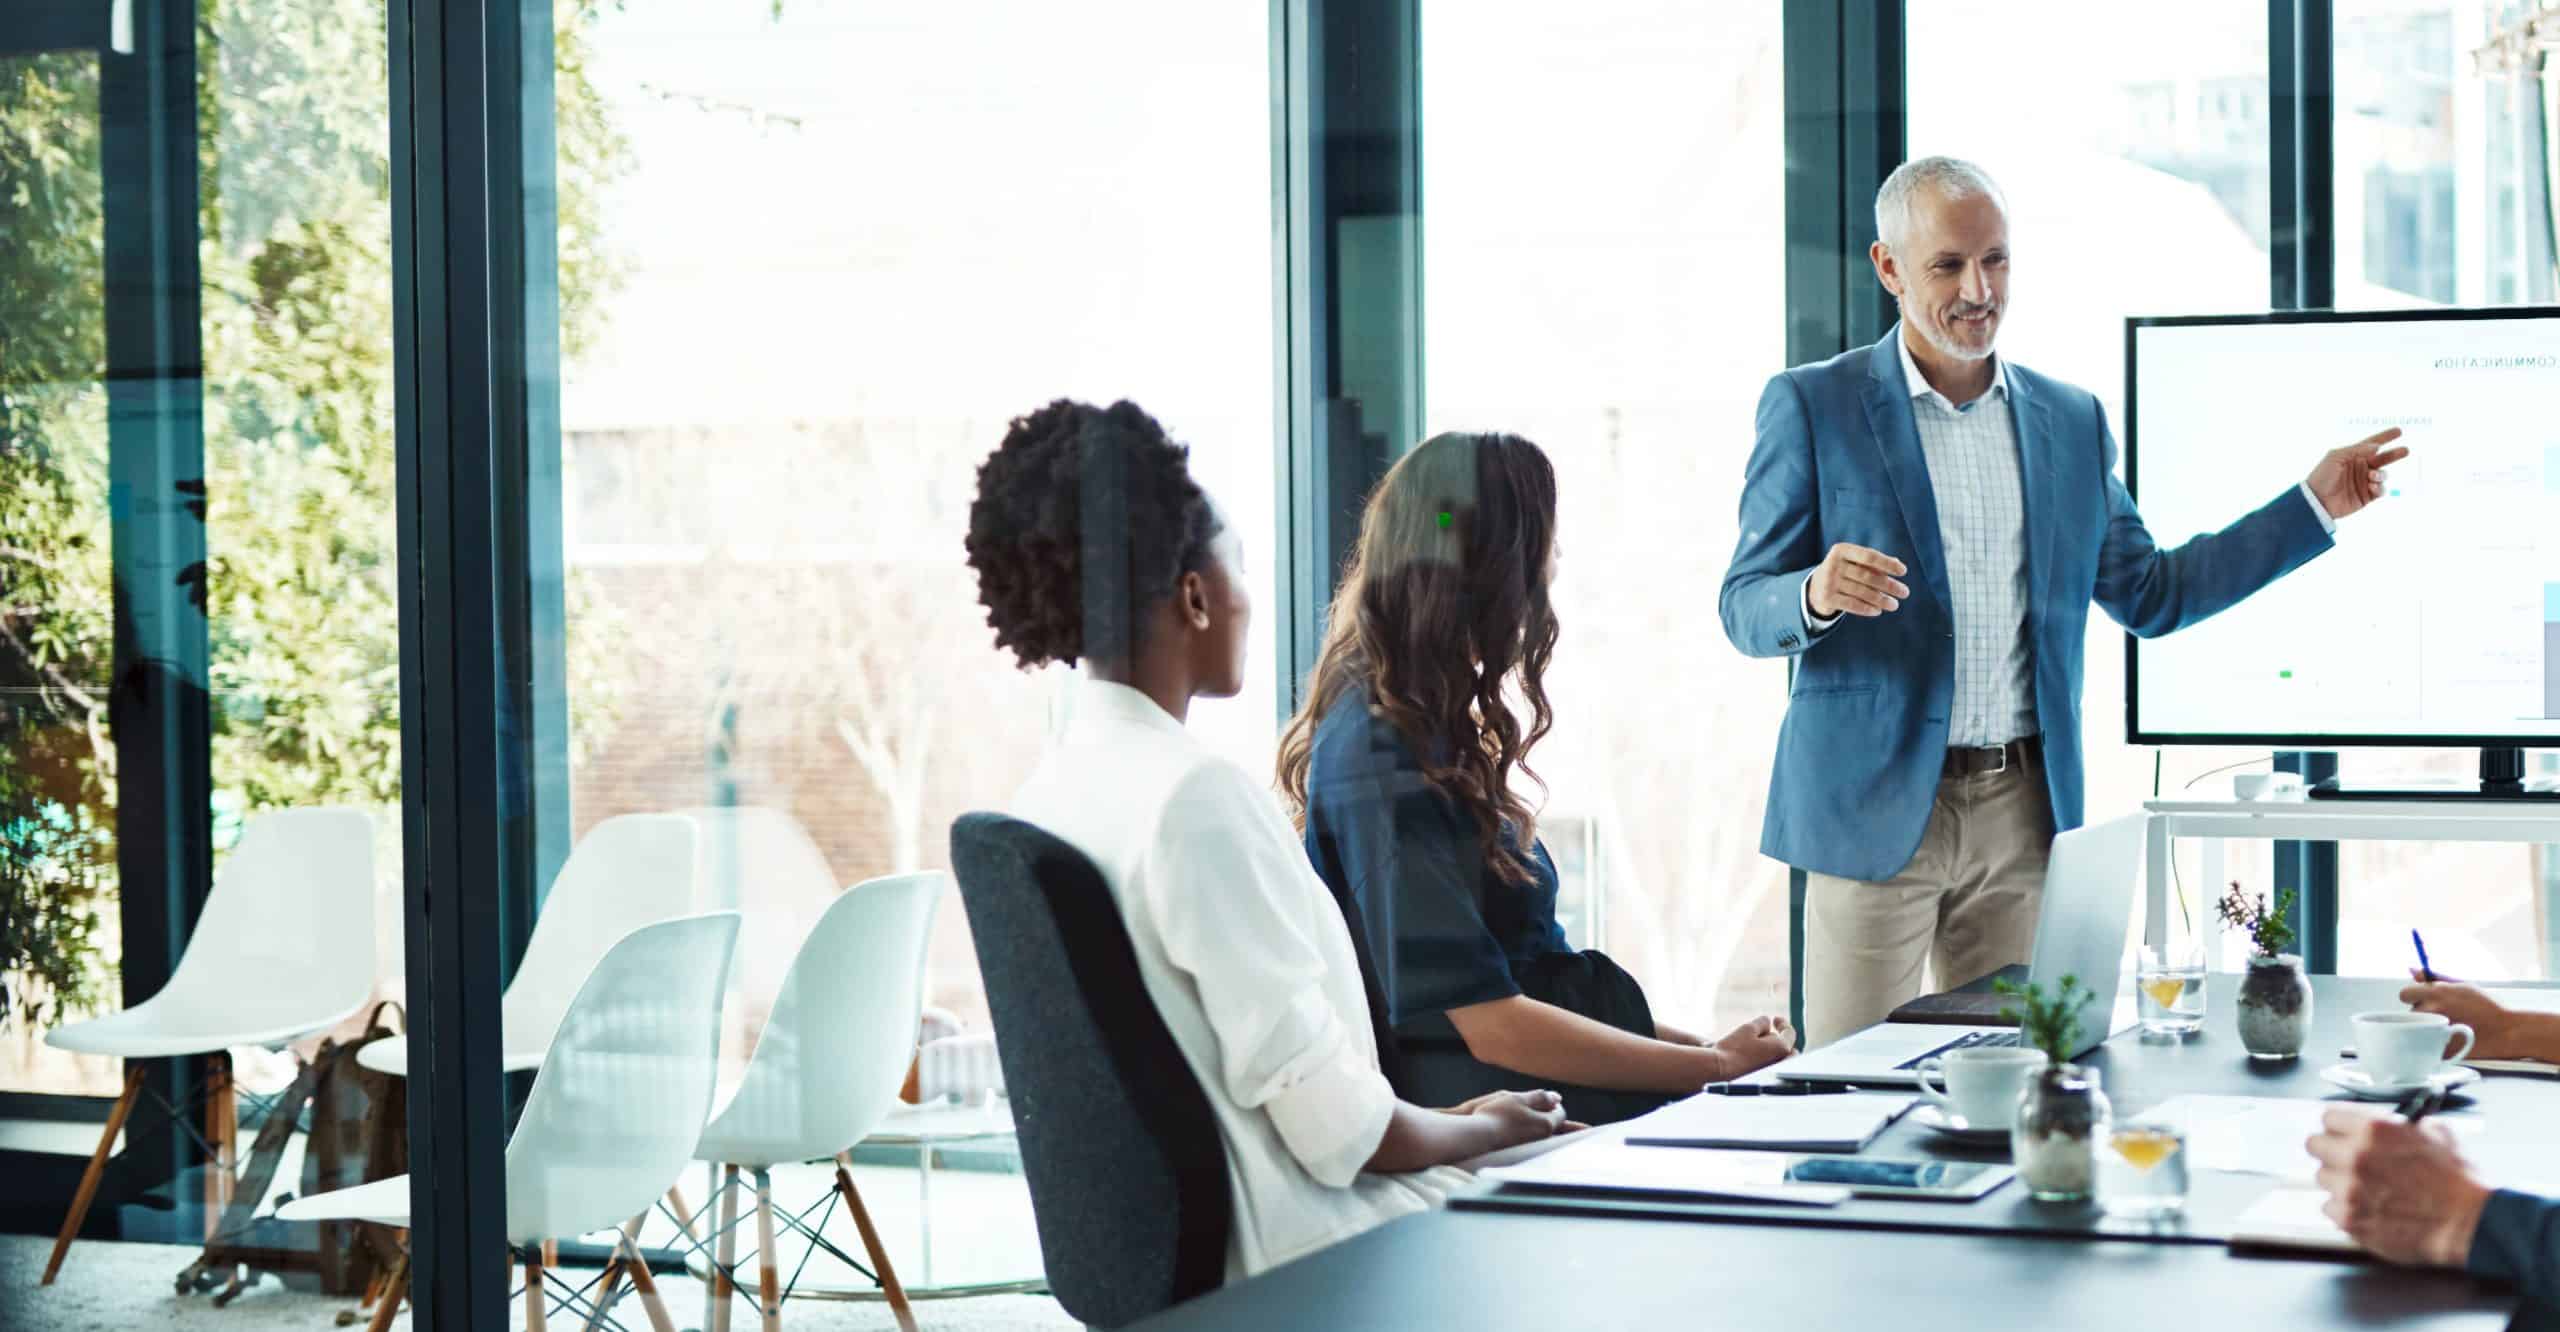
x=1128 y=1176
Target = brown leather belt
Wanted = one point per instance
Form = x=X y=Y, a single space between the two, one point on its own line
x=1972 y=761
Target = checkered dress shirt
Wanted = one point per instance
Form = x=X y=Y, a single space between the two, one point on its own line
x=1972 y=453
x=1972 y=456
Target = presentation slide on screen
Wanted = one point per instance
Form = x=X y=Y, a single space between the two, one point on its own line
x=2438 y=611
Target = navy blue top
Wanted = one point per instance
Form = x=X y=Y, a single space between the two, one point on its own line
x=1440 y=928
x=2519 y=1241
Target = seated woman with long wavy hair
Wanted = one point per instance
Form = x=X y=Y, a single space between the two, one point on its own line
x=1093 y=545
x=1404 y=766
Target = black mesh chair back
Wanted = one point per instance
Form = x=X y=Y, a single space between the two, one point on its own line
x=1121 y=1149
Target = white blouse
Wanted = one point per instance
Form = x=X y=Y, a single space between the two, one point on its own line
x=1248 y=960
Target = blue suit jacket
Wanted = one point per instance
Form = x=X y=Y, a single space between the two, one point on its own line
x=1838 y=459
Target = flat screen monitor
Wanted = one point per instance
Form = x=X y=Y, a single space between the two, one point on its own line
x=2435 y=620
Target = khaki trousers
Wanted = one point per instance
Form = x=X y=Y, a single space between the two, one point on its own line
x=1965 y=905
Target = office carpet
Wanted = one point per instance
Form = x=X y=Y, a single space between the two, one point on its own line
x=111 y=1287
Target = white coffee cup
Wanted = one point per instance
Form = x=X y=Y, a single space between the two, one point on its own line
x=1982 y=1085
x=2404 y=1049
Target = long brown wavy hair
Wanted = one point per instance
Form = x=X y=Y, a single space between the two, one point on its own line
x=1444 y=606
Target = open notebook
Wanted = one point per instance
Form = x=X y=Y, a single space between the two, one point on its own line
x=1839 y=1122
x=1842 y=1122
x=1612 y=1166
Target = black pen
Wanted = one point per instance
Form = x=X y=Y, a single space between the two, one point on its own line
x=1783 y=1089
x=2420 y=1104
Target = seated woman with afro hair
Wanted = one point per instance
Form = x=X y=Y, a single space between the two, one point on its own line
x=1093 y=546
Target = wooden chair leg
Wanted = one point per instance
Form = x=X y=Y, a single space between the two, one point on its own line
x=716 y=1318
x=394 y=1290
x=217 y=1175
x=889 y=1286
x=768 y=1276
x=88 y=1193
x=536 y=1264
x=645 y=1285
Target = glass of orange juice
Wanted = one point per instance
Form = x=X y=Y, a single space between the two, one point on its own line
x=2169 y=992
x=2142 y=1167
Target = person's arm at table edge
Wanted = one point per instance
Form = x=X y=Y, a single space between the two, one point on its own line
x=1554 y=1044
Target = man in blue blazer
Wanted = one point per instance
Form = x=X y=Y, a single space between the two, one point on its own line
x=1924 y=528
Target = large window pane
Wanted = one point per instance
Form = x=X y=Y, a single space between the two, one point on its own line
x=2444 y=162
x=1604 y=274
x=2137 y=183
x=836 y=250
x=57 y=759
x=2444 y=174
x=198 y=620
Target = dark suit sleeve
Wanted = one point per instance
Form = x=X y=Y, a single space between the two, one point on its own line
x=2151 y=591
x=1762 y=601
x=2519 y=1241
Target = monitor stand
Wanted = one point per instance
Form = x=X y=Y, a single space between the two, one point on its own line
x=2502 y=777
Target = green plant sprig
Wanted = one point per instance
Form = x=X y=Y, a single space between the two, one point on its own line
x=2050 y=1024
x=2269 y=930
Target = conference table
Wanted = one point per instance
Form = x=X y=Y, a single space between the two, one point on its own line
x=1503 y=1258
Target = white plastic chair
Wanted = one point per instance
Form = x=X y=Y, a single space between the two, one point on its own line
x=283 y=951
x=628 y=871
x=760 y=861
x=824 y=1074
x=613 y=1115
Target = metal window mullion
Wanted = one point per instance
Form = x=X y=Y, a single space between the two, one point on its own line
x=160 y=709
x=2302 y=256
x=1847 y=127
x=1346 y=167
x=457 y=268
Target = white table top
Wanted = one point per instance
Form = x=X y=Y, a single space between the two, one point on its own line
x=2375 y=820
x=2511 y=810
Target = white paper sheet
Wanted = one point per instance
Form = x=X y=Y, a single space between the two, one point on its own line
x=1835 y=1122
x=1607 y=1163
x=2259 y=1135
x=2290 y=1219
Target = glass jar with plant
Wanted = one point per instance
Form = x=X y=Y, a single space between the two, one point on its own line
x=2063 y=1114
x=2275 y=997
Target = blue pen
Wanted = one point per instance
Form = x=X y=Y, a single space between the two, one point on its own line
x=2426 y=969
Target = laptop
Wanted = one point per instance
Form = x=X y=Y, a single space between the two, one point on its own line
x=2081 y=929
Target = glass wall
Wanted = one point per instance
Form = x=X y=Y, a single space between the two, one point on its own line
x=57 y=595
x=2138 y=186
x=2444 y=189
x=200 y=729
x=2443 y=158
x=828 y=253
x=292 y=498
x=1604 y=265
x=834 y=251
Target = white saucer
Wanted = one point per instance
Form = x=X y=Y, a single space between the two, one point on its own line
x=1945 y=1125
x=2357 y=1083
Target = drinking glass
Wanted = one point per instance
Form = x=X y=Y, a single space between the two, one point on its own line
x=2142 y=1167
x=2170 y=992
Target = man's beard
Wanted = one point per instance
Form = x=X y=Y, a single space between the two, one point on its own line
x=1939 y=335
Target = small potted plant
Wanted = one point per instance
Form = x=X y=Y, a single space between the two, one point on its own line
x=2063 y=1113
x=2275 y=997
